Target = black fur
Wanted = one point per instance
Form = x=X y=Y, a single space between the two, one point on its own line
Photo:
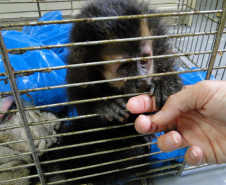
x=165 y=86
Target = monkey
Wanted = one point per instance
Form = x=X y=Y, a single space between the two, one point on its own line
x=113 y=111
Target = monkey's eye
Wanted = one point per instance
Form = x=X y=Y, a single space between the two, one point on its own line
x=125 y=67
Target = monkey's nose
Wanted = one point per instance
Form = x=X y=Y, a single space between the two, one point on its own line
x=141 y=86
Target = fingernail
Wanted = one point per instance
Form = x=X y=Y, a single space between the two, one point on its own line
x=172 y=140
x=157 y=116
x=142 y=124
x=194 y=156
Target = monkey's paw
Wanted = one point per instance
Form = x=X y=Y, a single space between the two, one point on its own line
x=164 y=88
x=114 y=110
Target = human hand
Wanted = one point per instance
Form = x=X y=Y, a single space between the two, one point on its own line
x=195 y=117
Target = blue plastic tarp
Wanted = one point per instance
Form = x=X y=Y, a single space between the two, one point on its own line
x=39 y=36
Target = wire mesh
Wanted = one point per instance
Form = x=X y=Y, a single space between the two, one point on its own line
x=197 y=31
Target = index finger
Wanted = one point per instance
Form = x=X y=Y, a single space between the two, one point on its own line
x=142 y=103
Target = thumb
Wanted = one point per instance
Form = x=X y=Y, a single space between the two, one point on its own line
x=177 y=104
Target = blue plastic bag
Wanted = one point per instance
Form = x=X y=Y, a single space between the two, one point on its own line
x=193 y=77
x=51 y=34
x=39 y=36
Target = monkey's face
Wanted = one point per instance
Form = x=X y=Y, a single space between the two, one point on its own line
x=128 y=69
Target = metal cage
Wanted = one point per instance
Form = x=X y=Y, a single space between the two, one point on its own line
x=198 y=36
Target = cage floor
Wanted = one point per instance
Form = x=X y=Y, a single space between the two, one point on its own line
x=209 y=175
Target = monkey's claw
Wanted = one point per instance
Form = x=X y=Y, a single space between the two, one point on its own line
x=152 y=89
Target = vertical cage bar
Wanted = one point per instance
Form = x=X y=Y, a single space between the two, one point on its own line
x=181 y=24
x=204 y=36
x=186 y=38
x=223 y=75
x=198 y=38
x=181 y=168
x=193 y=25
x=71 y=7
x=220 y=63
x=190 y=30
x=11 y=77
x=212 y=24
x=195 y=38
x=176 y=19
x=207 y=38
x=39 y=10
x=217 y=42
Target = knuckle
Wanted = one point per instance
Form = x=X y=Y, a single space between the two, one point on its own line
x=172 y=98
x=205 y=84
